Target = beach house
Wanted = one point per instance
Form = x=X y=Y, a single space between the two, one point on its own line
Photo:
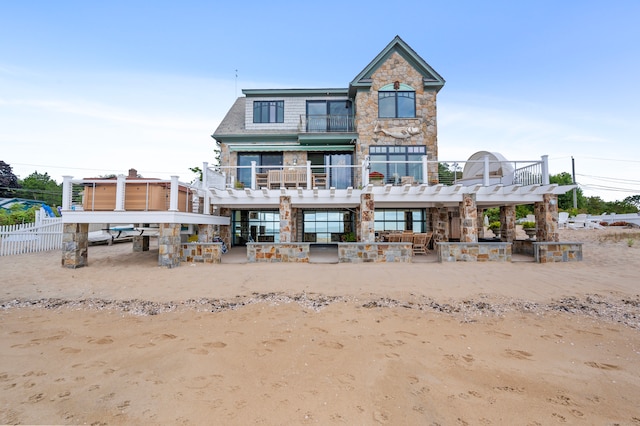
x=352 y=165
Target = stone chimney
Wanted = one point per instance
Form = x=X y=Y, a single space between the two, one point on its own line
x=133 y=173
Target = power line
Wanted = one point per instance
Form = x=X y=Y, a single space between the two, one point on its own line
x=610 y=179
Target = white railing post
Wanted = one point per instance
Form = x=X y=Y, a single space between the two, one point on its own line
x=365 y=171
x=205 y=175
x=206 y=208
x=120 y=189
x=309 y=174
x=253 y=175
x=425 y=170
x=545 y=170
x=485 y=174
x=173 y=195
x=67 y=189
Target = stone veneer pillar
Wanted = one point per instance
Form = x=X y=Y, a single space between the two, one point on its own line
x=440 y=224
x=225 y=230
x=75 y=244
x=205 y=233
x=285 y=219
x=480 y=215
x=507 y=223
x=468 y=219
x=367 y=218
x=169 y=245
x=140 y=243
x=546 y=212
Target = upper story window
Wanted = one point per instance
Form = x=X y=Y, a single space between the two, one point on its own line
x=396 y=100
x=268 y=111
x=329 y=116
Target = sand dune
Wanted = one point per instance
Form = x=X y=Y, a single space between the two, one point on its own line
x=125 y=342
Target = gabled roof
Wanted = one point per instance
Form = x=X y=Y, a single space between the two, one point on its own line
x=430 y=77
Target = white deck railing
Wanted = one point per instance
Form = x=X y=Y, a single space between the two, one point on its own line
x=396 y=173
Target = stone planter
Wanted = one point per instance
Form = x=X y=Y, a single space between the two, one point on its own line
x=531 y=232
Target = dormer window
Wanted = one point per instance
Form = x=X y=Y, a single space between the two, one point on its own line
x=268 y=111
x=396 y=100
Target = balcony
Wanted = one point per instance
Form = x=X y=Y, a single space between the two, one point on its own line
x=381 y=173
x=336 y=123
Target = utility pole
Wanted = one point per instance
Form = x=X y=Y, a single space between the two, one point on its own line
x=575 y=190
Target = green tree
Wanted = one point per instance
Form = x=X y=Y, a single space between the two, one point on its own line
x=40 y=186
x=8 y=181
x=565 y=201
x=633 y=200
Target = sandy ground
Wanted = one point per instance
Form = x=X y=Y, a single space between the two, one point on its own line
x=123 y=341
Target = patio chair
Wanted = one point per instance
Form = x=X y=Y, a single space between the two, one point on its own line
x=262 y=180
x=395 y=237
x=407 y=237
x=563 y=218
x=319 y=180
x=421 y=243
x=274 y=179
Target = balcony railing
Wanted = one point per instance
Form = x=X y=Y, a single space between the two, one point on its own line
x=326 y=123
x=130 y=195
x=395 y=173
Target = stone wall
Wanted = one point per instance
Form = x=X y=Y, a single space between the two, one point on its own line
x=278 y=252
x=396 y=68
x=548 y=252
x=474 y=252
x=375 y=252
x=201 y=252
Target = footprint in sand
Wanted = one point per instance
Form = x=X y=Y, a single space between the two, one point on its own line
x=602 y=366
x=102 y=341
x=198 y=351
x=217 y=345
x=512 y=353
x=332 y=345
x=142 y=345
x=68 y=350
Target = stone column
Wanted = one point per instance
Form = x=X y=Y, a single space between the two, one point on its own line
x=507 y=223
x=75 y=244
x=140 y=243
x=225 y=230
x=546 y=213
x=480 y=215
x=205 y=233
x=286 y=225
x=169 y=245
x=440 y=224
x=468 y=219
x=367 y=233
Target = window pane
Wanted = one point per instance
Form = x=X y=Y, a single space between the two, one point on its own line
x=386 y=104
x=406 y=104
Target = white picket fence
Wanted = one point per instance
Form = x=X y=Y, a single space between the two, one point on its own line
x=43 y=235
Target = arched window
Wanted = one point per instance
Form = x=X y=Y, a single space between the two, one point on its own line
x=396 y=100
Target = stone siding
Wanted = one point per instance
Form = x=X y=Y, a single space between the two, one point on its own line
x=375 y=252
x=474 y=252
x=201 y=252
x=549 y=252
x=278 y=252
x=396 y=68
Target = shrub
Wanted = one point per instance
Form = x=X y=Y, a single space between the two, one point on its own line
x=528 y=225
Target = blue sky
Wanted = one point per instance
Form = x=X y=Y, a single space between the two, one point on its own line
x=94 y=88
